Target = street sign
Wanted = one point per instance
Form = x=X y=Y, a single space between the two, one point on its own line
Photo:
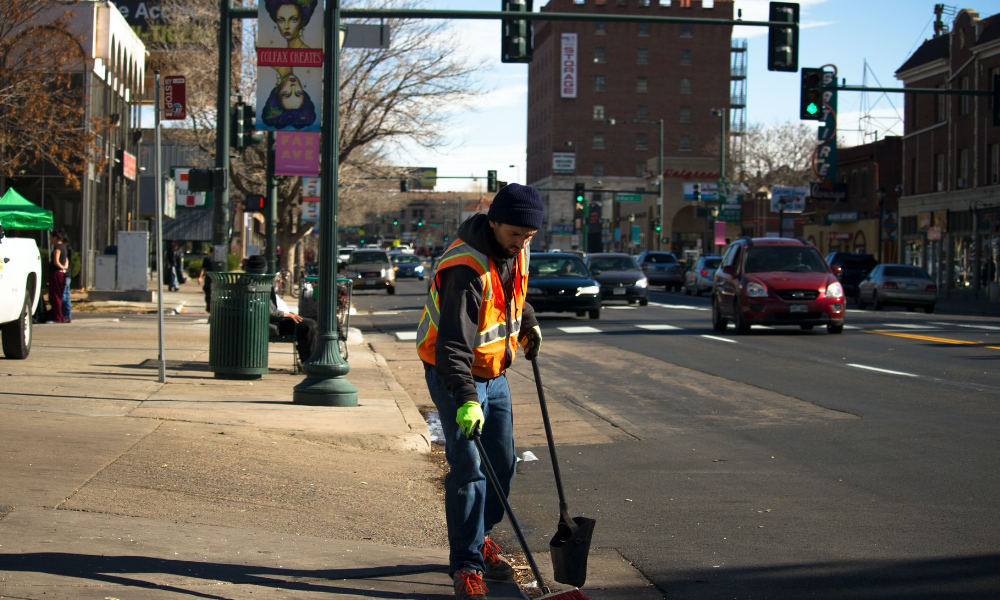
x=620 y=197
x=174 y=98
x=794 y=197
x=731 y=213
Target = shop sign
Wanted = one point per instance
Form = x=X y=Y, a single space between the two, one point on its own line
x=563 y=163
x=570 y=57
x=842 y=216
x=933 y=234
x=836 y=235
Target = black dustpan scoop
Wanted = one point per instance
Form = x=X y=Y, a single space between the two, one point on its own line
x=570 y=546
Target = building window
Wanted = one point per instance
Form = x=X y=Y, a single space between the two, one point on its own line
x=599 y=28
x=685 y=30
x=965 y=99
x=640 y=169
x=417 y=213
x=598 y=169
x=994 y=166
x=644 y=3
x=685 y=57
x=939 y=172
x=643 y=28
x=940 y=107
x=622 y=2
x=640 y=142
x=913 y=177
x=599 y=55
x=864 y=183
x=685 y=145
x=598 y=83
x=598 y=141
x=685 y=85
x=642 y=57
x=598 y=112
x=641 y=113
x=685 y=114
x=963 y=168
x=641 y=85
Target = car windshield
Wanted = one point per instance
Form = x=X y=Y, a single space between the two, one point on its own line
x=552 y=266
x=794 y=259
x=358 y=258
x=712 y=263
x=406 y=259
x=613 y=263
x=914 y=272
x=660 y=259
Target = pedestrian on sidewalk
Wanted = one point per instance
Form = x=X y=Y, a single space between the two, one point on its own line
x=171 y=270
x=205 y=281
x=58 y=267
x=67 y=306
x=473 y=318
x=283 y=322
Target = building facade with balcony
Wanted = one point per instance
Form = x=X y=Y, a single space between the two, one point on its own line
x=599 y=95
x=949 y=212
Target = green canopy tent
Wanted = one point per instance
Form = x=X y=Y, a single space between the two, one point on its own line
x=17 y=212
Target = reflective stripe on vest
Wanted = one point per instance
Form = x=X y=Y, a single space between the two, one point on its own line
x=489 y=353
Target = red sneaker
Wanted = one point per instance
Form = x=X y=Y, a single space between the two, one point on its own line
x=469 y=585
x=497 y=567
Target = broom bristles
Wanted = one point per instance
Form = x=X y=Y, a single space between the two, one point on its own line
x=567 y=595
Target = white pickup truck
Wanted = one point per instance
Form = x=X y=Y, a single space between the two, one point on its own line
x=20 y=291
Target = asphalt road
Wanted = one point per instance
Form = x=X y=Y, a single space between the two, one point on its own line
x=782 y=464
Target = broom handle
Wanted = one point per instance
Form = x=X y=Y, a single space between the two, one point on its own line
x=563 y=507
x=510 y=512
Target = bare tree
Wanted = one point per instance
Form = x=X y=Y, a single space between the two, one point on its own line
x=778 y=155
x=387 y=97
x=43 y=70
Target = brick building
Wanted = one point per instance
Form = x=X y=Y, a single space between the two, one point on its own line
x=949 y=212
x=597 y=95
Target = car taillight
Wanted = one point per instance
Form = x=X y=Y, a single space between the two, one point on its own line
x=889 y=285
x=931 y=288
x=704 y=272
x=644 y=267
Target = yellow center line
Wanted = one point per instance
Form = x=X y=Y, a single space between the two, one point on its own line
x=929 y=338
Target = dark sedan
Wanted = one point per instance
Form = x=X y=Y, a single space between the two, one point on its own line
x=560 y=282
x=407 y=265
x=619 y=276
x=662 y=268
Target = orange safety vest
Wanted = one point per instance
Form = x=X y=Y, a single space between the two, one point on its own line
x=492 y=338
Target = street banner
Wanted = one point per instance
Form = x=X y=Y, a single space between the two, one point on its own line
x=174 y=98
x=296 y=153
x=569 y=58
x=310 y=189
x=310 y=212
x=290 y=65
x=794 y=197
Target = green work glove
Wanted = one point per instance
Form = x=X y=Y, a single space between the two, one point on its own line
x=531 y=341
x=470 y=417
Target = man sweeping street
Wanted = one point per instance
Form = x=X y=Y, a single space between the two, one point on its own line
x=473 y=319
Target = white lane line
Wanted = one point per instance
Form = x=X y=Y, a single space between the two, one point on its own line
x=579 y=329
x=987 y=327
x=678 y=306
x=720 y=339
x=385 y=312
x=909 y=326
x=851 y=327
x=762 y=327
x=406 y=335
x=657 y=327
x=618 y=307
x=887 y=371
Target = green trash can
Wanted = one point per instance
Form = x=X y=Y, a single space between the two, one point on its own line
x=238 y=325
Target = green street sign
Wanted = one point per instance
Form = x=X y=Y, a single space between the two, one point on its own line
x=628 y=197
x=731 y=213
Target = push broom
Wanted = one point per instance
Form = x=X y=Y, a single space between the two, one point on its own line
x=573 y=594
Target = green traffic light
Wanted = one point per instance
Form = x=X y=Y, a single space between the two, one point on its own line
x=811 y=108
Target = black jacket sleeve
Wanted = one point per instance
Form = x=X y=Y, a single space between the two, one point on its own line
x=275 y=314
x=528 y=319
x=460 y=294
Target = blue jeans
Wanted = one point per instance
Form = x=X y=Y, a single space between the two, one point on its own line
x=470 y=504
x=67 y=307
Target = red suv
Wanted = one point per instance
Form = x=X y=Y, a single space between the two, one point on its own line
x=776 y=281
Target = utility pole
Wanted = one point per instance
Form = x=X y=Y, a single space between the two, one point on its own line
x=220 y=194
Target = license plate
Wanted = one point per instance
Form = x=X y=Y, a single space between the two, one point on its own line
x=911 y=286
x=369 y=282
x=799 y=308
x=618 y=291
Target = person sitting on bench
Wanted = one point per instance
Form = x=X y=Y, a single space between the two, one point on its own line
x=286 y=323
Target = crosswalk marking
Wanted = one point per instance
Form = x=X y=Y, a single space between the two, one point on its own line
x=909 y=326
x=579 y=329
x=405 y=336
x=678 y=306
x=718 y=339
x=987 y=327
x=657 y=327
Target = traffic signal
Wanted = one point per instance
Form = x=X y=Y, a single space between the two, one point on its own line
x=516 y=33
x=236 y=126
x=395 y=222
x=578 y=191
x=783 y=41
x=656 y=224
x=253 y=204
x=811 y=97
x=420 y=223
x=491 y=182
x=250 y=135
x=404 y=186
x=697 y=192
x=996 y=100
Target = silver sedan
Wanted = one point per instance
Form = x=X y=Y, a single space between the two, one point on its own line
x=900 y=285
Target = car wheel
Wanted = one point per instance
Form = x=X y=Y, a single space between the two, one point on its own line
x=929 y=308
x=835 y=328
x=742 y=327
x=878 y=305
x=858 y=301
x=391 y=290
x=643 y=301
x=595 y=314
x=16 y=335
x=718 y=322
x=806 y=327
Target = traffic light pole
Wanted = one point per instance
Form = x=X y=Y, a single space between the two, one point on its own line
x=271 y=207
x=220 y=194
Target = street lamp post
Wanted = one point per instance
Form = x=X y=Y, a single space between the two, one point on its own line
x=659 y=198
x=721 y=113
x=880 y=194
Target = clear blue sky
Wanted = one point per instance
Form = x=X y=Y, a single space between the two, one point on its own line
x=846 y=33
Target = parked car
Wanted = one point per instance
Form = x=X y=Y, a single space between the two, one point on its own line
x=854 y=267
x=662 y=268
x=699 y=277
x=901 y=285
x=407 y=265
x=560 y=282
x=776 y=281
x=342 y=255
x=371 y=269
x=619 y=277
x=20 y=293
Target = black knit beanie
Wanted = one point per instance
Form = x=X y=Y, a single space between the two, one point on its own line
x=517 y=205
x=256 y=264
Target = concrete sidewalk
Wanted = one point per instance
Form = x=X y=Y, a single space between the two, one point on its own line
x=116 y=486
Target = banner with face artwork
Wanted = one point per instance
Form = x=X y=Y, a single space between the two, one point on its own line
x=289 y=65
